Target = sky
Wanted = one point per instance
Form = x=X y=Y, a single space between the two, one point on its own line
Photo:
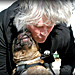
x=5 y=4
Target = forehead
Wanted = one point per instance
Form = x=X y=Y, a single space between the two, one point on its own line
x=43 y=20
x=42 y=23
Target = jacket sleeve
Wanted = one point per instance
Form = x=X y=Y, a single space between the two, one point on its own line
x=7 y=34
x=3 y=48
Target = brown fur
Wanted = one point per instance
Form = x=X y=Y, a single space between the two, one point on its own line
x=30 y=54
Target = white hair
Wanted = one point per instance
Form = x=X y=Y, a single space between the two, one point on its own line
x=31 y=11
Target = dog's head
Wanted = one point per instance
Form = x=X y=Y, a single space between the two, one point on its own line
x=24 y=50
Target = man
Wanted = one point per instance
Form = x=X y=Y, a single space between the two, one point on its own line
x=47 y=21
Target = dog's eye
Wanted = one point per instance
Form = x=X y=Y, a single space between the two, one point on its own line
x=17 y=48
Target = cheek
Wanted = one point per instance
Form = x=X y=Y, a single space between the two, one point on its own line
x=49 y=29
x=30 y=28
x=33 y=30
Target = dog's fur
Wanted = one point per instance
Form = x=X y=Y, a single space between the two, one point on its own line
x=29 y=53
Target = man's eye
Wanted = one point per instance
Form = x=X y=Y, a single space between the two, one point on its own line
x=38 y=26
x=49 y=26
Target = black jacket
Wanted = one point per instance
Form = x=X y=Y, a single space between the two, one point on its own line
x=60 y=40
x=7 y=33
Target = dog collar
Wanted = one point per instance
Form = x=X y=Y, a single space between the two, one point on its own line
x=27 y=62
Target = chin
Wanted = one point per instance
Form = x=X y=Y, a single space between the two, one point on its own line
x=40 y=41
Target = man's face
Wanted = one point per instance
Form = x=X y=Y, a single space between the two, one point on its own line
x=40 y=31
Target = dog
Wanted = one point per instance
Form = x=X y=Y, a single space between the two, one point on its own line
x=26 y=55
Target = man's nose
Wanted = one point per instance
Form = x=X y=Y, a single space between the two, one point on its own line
x=44 y=28
x=44 y=31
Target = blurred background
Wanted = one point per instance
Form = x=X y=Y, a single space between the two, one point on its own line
x=5 y=4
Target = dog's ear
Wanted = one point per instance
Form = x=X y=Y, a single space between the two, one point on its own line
x=16 y=45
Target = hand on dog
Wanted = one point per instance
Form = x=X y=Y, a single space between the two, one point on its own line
x=22 y=40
